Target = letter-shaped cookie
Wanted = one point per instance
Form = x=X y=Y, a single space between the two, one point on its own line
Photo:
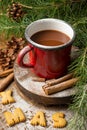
x=39 y=119
x=14 y=118
x=59 y=120
x=7 y=97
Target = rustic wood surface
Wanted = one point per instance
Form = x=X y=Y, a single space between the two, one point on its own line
x=30 y=108
x=33 y=90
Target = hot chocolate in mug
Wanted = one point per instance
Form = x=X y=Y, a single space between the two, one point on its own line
x=49 y=47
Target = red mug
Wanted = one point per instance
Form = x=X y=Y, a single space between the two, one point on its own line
x=47 y=61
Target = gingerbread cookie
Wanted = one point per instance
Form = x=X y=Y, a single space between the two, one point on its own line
x=39 y=119
x=7 y=97
x=14 y=118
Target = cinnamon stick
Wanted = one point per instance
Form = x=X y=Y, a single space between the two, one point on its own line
x=6 y=81
x=59 y=80
x=37 y=79
x=61 y=86
x=6 y=72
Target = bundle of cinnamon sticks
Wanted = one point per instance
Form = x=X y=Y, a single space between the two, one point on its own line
x=8 y=78
x=56 y=85
x=6 y=72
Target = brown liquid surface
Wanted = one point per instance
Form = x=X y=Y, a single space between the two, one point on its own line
x=50 y=38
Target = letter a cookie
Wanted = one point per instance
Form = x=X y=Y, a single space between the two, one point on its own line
x=39 y=119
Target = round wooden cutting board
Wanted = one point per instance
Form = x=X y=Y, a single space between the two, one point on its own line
x=33 y=90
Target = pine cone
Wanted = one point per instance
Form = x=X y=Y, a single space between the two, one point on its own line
x=9 y=54
x=15 y=11
x=4 y=63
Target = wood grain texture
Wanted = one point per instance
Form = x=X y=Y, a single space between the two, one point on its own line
x=30 y=108
x=33 y=90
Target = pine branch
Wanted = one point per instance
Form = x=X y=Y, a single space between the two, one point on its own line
x=46 y=5
x=11 y=27
x=82 y=20
x=61 y=9
x=79 y=106
x=78 y=121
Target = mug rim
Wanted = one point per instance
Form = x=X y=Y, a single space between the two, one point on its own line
x=49 y=47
